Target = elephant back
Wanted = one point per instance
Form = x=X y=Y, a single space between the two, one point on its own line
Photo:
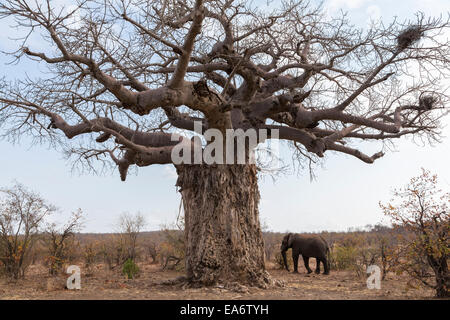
x=313 y=246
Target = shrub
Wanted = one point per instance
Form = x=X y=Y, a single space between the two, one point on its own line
x=90 y=257
x=172 y=252
x=422 y=209
x=60 y=242
x=130 y=269
x=343 y=257
x=152 y=250
x=22 y=213
x=279 y=260
x=129 y=227
x=113 y=251
x=173 y=248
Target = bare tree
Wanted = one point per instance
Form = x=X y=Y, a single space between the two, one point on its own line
x=152 y=250
x=173 y=248
x=127 y=80
x=129 y=228
x=423 y=210
x=22 y=214
x=113 y=251
x=58 y=241
x=387 y=247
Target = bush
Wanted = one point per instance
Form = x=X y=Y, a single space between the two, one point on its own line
x=343 y=257
x=60 y=242
x=172 y=252
x=422 y=209
x=22 y=214
x=90 y=257
x=129 y=227
x=113 y=251
x=130 y=269
x=173 y=249
x=152 y=250
x=279 y=260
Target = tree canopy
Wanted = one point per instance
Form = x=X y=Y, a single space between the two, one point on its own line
x=122 y=76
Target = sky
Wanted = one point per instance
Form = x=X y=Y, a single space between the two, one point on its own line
x=345 y=194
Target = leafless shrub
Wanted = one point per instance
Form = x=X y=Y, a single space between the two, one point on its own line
x=173 y=248
x=152 y=250
x=90 y=254
x=60 y=241
x=129 y=227
x=22 y=214
x=113 y=251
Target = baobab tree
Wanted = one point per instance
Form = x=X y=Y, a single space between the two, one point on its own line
x=127 y=80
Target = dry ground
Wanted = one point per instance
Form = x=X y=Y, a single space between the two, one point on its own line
x=112 y=285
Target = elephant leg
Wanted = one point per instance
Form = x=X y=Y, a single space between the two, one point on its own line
x=306 y=261
x=326 y=266
x=295 y=260
x=317 y=265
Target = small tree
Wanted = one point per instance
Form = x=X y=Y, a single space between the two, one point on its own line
x=130 y=269
x=129 y=227
x=22 y=214
x=423 y=210
x=173 y=248
x=113 y=252
x=387 y=247
x=271 y=245
x=90 y=255
x=59 y=240
x=152 y=251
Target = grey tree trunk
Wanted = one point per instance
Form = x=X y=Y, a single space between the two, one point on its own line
x=224 y=242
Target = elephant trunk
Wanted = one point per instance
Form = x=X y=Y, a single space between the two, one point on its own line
x=283 y=254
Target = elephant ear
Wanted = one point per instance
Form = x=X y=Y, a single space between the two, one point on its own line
x=290 y=239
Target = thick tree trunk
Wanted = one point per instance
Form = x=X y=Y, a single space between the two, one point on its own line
x=442 y=286
x=440 y=269
x=224 y=242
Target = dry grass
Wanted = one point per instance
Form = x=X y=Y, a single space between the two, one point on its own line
x=111 y=285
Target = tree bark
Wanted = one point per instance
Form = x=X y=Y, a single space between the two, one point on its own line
x=224 y=242
x=440 y=269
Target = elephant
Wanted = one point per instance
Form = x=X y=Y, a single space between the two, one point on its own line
x=308 y=247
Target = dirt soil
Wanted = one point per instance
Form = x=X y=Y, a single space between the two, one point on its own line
x=112 y=285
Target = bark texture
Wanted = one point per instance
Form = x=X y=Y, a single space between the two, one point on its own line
x=440 y=269
x=224 y=242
